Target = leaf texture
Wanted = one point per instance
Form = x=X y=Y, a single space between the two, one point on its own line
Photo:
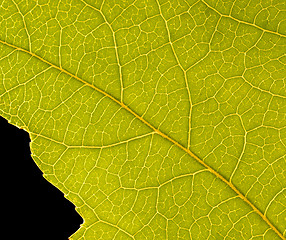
x=158 y=119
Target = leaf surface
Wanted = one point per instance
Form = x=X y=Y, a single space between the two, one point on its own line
x=157 y=119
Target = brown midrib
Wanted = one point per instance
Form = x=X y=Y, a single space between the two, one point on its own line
x=158 y=132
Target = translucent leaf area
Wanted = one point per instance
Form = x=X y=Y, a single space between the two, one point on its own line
x=157 y=119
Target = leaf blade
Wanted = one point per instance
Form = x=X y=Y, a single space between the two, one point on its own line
x=147 y=176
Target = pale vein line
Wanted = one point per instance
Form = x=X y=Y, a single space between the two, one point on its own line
x=269 y=204
x=242 y=151
x=91 y=147
x=24 y=83
x=184 y=72
x=163 y=135
x=115 y=47
x=115 y=144
x=241 y=21
x=115 y=226
x=25 y=25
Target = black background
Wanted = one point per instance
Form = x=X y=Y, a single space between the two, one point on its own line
x=32 y=207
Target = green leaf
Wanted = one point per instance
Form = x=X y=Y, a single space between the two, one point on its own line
x=158 y=119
